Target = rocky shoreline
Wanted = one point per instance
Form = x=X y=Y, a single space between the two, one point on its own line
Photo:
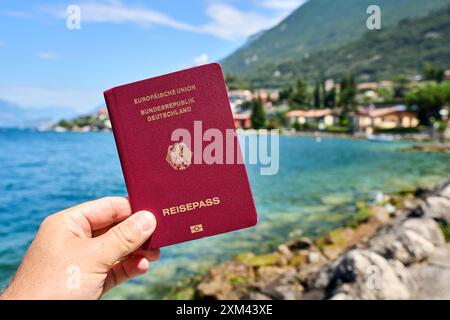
x=394 y=248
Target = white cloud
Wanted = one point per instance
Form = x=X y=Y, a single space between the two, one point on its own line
x=225 y=21
x=82 y=100
x=230 y=23
x=47 y=56
x=116 y=12
x=201 y=59
x=282 y=4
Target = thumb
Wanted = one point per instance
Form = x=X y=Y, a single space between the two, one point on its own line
x=126 y=237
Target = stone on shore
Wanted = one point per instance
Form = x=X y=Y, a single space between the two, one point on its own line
x=438 y=208
x=381 y=254
x=414 y=240
x=445 y=192
x=362 y=274
x=224 y=282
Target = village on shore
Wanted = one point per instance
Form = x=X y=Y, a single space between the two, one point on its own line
x=417 y=107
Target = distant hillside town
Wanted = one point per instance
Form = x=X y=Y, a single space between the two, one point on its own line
x=398 y=106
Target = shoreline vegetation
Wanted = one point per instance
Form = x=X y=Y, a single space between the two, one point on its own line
x=393 y=247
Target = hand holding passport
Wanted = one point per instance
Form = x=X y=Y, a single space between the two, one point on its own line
x=180 y=155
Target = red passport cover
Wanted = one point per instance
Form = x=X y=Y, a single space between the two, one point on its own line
x=190 y=200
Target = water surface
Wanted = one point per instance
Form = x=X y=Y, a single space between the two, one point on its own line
x=44 y=172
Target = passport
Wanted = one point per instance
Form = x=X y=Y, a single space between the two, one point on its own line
x=180 y=155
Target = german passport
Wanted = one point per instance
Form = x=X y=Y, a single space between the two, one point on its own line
x=180 y=155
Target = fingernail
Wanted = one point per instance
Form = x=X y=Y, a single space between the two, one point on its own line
x=144 y=220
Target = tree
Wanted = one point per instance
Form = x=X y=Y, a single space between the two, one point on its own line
x=329 y=100
x=258 y=116
x=300 y=97
x=235 y=83
x=348 y=92
x=285 y=93
x=433 y=73
x=65 y=124
x=428 y=101
x=401 y=84
x=247 y=105
x=317 y=97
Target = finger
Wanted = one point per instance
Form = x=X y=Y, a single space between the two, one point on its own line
x=101 y=213
x=99 y=232
x=125 y=238
x=150 y=254
x=125 y=270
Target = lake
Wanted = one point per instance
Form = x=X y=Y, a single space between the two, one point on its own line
x=314 y=191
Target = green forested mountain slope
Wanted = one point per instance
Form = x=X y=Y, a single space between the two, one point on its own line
x=378 y=54
x=320 y=25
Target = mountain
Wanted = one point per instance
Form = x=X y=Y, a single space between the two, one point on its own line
x=377 y=55
x=320 y=25
x=12 y=116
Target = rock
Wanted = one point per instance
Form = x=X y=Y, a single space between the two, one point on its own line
x=392 y=256
x=285 y=287
x=380 y=214
x=423 y=193
x=315 y=257
x=266 y=275
x=445 y=192
x=285 y=251
x=362 y=274
x=438 y=208
x=334 y=243
x=300 y=258
x=427 y=228
x=225 y=281
x=425 y=274
x=332 y=252
x=299 y=244
x=254 y=260
x=412 y=241
x=418 y=209
x=255 y=295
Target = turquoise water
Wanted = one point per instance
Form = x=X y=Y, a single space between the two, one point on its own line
x=44 y=172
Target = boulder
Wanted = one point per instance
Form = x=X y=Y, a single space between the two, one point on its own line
x=285 y=287
x=412 y=241
x=226 y=281
x=299 y=244
x=362 y=274
x=268 y=274
x=445 y=192
x=438 y=208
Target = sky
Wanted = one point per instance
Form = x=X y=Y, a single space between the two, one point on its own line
x=43 y=63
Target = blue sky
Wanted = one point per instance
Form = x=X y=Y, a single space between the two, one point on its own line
x=44 y=64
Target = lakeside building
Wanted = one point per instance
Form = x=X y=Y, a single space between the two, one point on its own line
x=242 y=120
x=366 y=86
x=102 y=114
x=326 y=117
x=372 y=86
x=238 y=97
x=397 y=116
x=267 y=95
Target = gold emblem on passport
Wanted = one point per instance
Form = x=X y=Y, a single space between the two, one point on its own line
x=196 y=228
x=179 y=156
